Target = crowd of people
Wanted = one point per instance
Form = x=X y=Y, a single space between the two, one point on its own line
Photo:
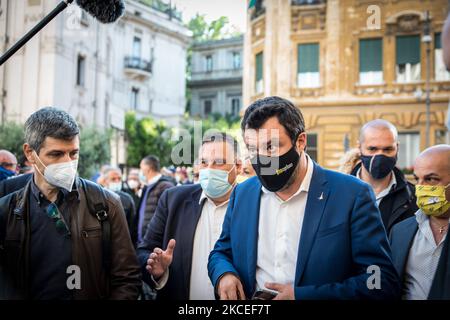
x=275 y=224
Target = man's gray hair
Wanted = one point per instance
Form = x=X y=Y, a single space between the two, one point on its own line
x=378 y=124
x=49 y=122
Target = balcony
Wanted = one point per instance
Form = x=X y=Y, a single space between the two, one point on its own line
x=137 y=67
x=216 y=77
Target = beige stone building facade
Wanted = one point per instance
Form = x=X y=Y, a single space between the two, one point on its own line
x=345 y=62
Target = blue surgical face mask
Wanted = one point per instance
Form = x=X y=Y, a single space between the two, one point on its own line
x=6 y=174
x=142 y=177
x=214 y=182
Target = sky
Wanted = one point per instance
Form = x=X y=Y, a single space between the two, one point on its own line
x=235 y=10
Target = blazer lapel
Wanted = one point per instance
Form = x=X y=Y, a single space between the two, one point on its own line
x=252 y=201
x=407 y=239
x=317 y=199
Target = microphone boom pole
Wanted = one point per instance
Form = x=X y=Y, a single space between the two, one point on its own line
x=19 y=44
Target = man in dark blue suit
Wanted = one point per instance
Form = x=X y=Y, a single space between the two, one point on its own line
x=191 y=215
x=298 y=230
x=420 y=244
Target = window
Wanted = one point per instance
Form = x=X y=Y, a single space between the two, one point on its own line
x=408 y=58
x=370 y=61
x=81 y=70
x=442 y=137
x=236 y=60
x=308 y=65
x=440 y=71
x=207 y=108
x=137 y=43
x=259 y=72
x=135 y=98
x=235 y=106
x=311 y=145
x=409 y=149
x=208 y=63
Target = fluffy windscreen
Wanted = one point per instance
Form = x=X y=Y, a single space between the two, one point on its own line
x=105 y=11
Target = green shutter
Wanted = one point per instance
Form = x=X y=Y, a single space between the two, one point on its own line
x=308 y=57
x=370 y=55
x=259 y=66
x=408 y=49
x=437 y=40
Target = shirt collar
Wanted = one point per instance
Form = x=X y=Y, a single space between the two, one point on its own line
x=62 y=192
x=306 y=180
x=204 y=196
x=392 y=183
x=154 y=179
x=421 y=217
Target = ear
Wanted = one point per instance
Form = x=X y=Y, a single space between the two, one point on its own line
x=301 y=141
x=238 y=166
x=28 y=152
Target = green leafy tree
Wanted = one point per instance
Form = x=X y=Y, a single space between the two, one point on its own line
x=146 y=136
x=12 y=138
x=95 y=151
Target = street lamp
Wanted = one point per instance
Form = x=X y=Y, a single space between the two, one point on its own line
x=427 y=40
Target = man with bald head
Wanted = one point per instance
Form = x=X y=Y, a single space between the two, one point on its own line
x=8 y=165
x=378 y=145
x=420 y=246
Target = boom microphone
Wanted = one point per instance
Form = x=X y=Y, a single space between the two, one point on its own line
x=105 y=11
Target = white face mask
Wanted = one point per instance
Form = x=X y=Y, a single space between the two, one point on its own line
x=133 y=184
x=61 y=175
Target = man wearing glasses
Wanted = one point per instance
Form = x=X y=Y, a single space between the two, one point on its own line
x=52 y=245
x=8 y=165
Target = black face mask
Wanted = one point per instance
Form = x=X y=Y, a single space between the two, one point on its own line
x=379 y=165
x=272 y=176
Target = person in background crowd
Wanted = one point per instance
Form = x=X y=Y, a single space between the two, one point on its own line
x=247 y=171
x=169 y=173
x=25 y=167
x=113 y=182
x=378 y=144
x=100 y=176
x=349 y=161
x=191 y=215
x=8 y=165
x=156 y=184
x=58 y=220
x=297 y=229
x=133 y=183
x=420 y=244
x=132 y=186
x=195 y=173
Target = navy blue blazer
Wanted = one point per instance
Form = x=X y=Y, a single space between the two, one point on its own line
x=342 y=235
x=176 y=217
x=401 y=239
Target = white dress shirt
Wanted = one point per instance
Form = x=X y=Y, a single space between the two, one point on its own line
x=423 y=260
x=280 y=225
x=208 y=231
x=379 y=196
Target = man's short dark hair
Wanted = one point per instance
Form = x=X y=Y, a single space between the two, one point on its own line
x=49 y=122
x=153 y=162
x=220 y=136
x=288 y=115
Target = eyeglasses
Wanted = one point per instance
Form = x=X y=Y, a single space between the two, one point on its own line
x=53 y=213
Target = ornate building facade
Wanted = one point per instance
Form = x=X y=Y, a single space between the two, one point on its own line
x=346 y=62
